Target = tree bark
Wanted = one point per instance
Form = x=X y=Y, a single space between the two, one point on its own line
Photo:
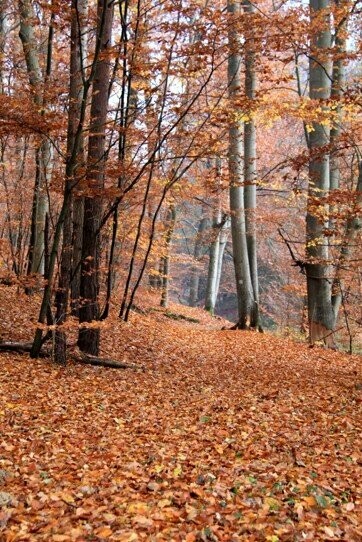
x=223 y=239
x=321 y=315
x=244 y=286
x=88 y=339
x=171 y=220
x=211 y=293
x=43 y=151
x=198 y=253
x=68 y=264
x=250 y=171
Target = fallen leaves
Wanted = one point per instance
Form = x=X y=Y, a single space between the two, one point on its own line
x=227 y=436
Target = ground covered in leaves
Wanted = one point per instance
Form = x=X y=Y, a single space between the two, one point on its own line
x=219 y=436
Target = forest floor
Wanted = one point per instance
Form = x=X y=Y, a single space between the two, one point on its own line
x=219 y=436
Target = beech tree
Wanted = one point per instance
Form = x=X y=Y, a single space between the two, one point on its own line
x=247 y=300
x=43 y=152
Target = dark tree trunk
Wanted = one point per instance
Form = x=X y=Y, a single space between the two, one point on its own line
x=79 y=8
x=88 y=339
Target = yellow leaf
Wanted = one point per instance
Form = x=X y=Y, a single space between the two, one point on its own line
x=177 y=471
x=163 y=503
x=66 y=497
x=158 y=468
x=104 y=532
x=138 y=508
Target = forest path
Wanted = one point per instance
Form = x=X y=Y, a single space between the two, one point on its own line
x=224 y=436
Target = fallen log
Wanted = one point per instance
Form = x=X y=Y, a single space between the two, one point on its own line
x=87 y=359
x=20 y=348
x=15 y=347
x=77 y=355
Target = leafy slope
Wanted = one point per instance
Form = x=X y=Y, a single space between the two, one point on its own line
x=225 y=436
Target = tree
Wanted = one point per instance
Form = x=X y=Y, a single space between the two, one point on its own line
x=43 y=152
x=70 y=259
x=246 y=299
x=250 y=170
x=88 y=339
x=321 y=314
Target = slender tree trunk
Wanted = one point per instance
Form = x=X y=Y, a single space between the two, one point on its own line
x=43 y=151
x=338 y=81
x=3 y=28
x=88 y=339
x=213 y=265
x=321 y=315
x=171 y=220
x=244 y=286
x=78 y=55
x=352 y=232
x=250 y=171
x=223 y=239
x=198 y=253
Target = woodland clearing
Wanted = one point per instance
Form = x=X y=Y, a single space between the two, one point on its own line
x=220 y=436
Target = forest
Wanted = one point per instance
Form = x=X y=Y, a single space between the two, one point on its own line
x=180 y=270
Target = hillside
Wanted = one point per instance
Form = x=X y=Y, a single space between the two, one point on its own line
x=217 y=436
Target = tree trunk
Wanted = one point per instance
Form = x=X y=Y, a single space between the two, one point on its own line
x=43 y=152
x=214 y=256
x=198 y=253
x=338 y=81
x=352 y=231
x=321 y=315
x=223 y=239
x=171 y=219
x=250 y=171
x=67 y=265
x=88 y=339
x=244 y=286
x=3 y=29
x=79 y=37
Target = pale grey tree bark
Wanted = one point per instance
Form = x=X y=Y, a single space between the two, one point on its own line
x=211 y=294
x=199 y=250
x=43 y=153
x=250 y=165
x=244 y=285
x=223 y=239
x=321 y=315
x=338 y=82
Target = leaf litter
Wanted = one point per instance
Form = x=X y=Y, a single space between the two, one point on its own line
x=225 y=436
